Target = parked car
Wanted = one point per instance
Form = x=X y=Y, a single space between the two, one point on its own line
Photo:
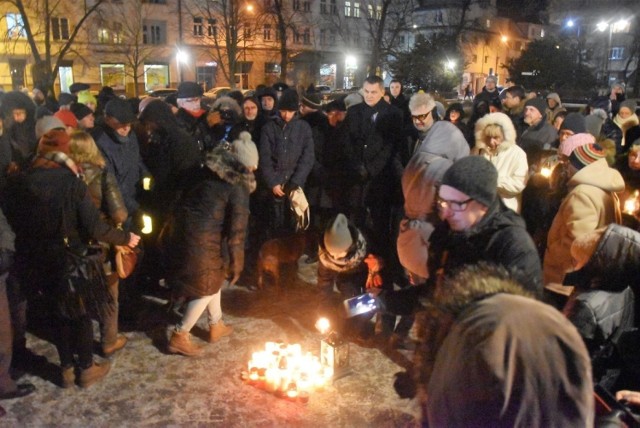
x=216 y=92
x=323 y=89
x=161 y=93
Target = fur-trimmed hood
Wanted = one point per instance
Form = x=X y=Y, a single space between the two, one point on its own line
x=226 y=166
x=504 y=122
x=227 y=103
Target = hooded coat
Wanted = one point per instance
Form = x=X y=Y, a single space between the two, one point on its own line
x=591 y=203
x=214 y=211
x=487 y=373
x=509 y=159
x=20 y=137
x=499 y=238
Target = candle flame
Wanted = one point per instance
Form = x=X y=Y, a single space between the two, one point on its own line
x=147 y=224
x=323 y=325
x=545 y=171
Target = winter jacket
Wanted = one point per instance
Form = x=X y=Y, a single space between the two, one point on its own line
x=500 y=238
x=510 y=361
x=198 y=128
x=371 y=138
x=537 y=138
x=124 y=162
x=213 y=212
x=592 y=203
x=104 y=192
x=63 y=203
x=286 y=153
x=509 y=159
x=316 y=181
x=486 y=96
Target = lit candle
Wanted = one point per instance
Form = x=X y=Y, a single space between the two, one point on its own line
x=304 y=397
x=147 y=224
x=146 y=183
x=292 y=391
x=545 y=171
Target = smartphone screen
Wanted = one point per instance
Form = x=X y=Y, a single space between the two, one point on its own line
x=360 y=305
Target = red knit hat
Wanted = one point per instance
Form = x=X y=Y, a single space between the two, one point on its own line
x=67 y=117
x=55 y=140
x=585 y=155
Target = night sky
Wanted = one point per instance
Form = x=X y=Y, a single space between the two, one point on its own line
x=529 y=10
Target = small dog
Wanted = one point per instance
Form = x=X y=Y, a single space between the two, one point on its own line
x=285 y=250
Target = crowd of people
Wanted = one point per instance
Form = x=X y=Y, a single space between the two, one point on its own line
x=459 y=218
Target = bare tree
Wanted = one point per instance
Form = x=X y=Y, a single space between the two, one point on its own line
x=129 y=20
x=39 y=18
x=231 y=24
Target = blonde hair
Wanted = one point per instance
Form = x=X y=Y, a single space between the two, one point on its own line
x=493 y=130
x=85 y=150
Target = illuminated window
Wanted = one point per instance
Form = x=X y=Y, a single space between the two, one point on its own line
x=15 y=26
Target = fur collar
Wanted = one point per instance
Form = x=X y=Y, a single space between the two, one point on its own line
x=226 y=166
x=508 y=130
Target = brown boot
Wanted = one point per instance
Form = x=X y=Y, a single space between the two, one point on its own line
x=109 y=350
x=94 y=373
x=218 y=331
x=68 y=377
x=180 y=343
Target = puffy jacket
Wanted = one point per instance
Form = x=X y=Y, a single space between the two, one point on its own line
x=286 y=153
x=218 y=201
x=592 y=203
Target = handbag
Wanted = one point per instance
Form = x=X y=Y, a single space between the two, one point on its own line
x=126 y=260
x=82 y=289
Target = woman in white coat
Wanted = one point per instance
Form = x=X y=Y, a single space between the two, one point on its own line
x=496 y=141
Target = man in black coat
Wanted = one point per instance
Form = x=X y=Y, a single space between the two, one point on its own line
x=479 y=227
x=372 y=134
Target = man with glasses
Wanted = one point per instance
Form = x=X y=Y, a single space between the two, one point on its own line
x=478 y=226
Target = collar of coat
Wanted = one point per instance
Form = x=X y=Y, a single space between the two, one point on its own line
x=226 y=166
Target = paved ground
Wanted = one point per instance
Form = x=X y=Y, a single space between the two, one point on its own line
x=148 y=387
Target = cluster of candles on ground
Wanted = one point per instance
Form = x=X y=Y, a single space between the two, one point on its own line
x=283 y=369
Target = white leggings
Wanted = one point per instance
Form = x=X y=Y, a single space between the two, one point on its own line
x=196 y=307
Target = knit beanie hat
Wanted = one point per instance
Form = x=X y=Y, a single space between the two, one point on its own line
x=189 y=90
x=630 y=104
x=493 y=78
x=474 y=176
x=312 y=100
x=537 y=103
x=267 y=92
x=120 y=110
x=55 y=140
x=85 y=97
x=288 y=100
x=577 y=140
x=245 y=150
x=66 y=98
x=67 y=117
x=46 y=124
x=337 y=236
x=80 y=110
x=585 y=155
x=574 y=122
x=594 y=122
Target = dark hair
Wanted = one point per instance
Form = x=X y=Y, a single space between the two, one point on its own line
x=454 y=107
x=397 y=81
x=516 y=91
x=373 y=80
x=159 y=112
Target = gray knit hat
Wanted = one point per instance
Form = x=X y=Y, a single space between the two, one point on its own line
x=474 y=176
x=245 y=150
x=337 y=236
x=537 y=103
x=630 y=104
x=46 y=124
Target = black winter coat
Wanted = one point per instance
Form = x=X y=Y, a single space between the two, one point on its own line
x=286 y=153
x=499 y=238
x=198 y=128
x=50 y=191
x=215 y=210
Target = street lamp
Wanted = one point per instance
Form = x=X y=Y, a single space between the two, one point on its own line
x=182 y=57
x=617 y=26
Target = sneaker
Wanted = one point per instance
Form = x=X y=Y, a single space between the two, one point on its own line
x=93 y=374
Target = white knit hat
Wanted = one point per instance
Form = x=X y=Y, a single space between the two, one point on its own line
x=337 y=237
x=245 y=150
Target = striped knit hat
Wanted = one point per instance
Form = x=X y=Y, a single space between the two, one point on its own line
x=587 y=154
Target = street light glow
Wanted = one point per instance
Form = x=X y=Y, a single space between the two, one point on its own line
x=182 y=56
x=350 y=61
x=570 y=23
x=504 y=39
x=451 y=64
x=250 y=8
x=602 y=26
x=620 y=25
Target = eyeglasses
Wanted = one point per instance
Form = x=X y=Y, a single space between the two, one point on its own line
x=420 y=117
x=456 y=206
